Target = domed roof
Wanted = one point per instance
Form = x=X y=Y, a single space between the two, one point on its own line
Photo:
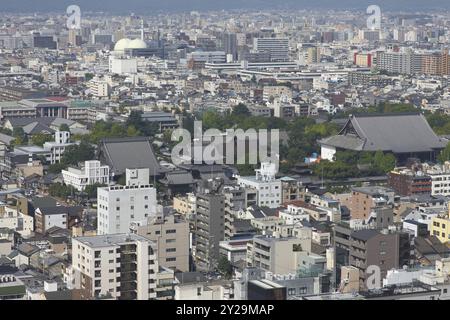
x=122 y=44
x=137 y=44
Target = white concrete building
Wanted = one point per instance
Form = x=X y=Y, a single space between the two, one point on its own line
x=56 y=148
x=17 y=221
x=123 y=266
x=268 y=188
x=278 y=47
x=122 y=65
x=294 y=214
x=99 y=88
x=120 y=206
x=440 y=178
x=92 y=173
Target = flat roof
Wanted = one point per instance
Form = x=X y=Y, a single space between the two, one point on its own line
x=110 y=240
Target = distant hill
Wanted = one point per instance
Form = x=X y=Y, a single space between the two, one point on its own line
x=148 y=6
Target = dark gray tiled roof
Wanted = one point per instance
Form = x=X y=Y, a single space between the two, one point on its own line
x=132 y=153
x=399 y=133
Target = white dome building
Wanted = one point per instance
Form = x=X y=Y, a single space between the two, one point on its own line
x=126 y=43
x=137 y=44
x=122 y=44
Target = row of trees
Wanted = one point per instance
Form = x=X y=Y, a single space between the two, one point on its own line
x=64 y=191
x=349 y=164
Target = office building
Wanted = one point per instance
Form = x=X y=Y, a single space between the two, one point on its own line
x=277 y=47
x=121 y=206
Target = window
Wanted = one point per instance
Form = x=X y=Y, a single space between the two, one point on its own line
x=171 y=240
x=171 y=259
x=171 y=231
x=171 y=249
x=291 y=291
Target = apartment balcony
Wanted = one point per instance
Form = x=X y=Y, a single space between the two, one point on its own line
x=358 y=253
x=128 y=268
x=128 y=277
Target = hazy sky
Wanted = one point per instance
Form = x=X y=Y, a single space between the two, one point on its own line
x=148 y=6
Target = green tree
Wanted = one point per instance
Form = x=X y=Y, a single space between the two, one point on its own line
x=78 y=153
x=41 y=138
x=64 y=127
x=88 y=76
x=20 y=136
x=91 y=190
x=56 y=168
x=445 y=154
x=225 y=267
x=241 y=110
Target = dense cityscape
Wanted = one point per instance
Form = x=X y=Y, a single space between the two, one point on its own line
x=134 y=162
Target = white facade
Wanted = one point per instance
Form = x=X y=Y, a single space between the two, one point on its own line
x=103 y=260
x=327 y=153
x=56 y=149
x=293 y=215
x=121 y=65
x=268 y=188
x=55 y=220
x=120 y=206
x=92 y=173
x=17 y=221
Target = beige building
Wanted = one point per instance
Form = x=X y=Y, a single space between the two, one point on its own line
x=185 y=205
x=171 y=234
x=119 y=266
x=349 y=279
x=278 y=255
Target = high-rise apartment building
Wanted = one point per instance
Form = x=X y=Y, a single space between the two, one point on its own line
x=209 y=229
x=120 y=266
x=171 y=234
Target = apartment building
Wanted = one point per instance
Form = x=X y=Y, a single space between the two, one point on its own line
x=235 y=200
x=268 y=188
x=382 y=249
x=440 y=178
x=281 y=255
x=171 y=234
x=119 y=266
x=185 y=205
x=209 y=229
x=440 y=228
x=291 y=190
x=364 y=199
x=98 y=88
x=406 y=182
x=121 y=206
x=92 y=173
x=53 y=151
x=49 y=217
